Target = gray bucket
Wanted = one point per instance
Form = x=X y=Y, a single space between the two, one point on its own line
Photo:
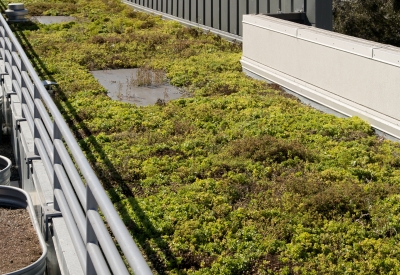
x=5 y=170
x=18 y=198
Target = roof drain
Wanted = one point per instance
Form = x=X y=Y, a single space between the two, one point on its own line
x=16 y=12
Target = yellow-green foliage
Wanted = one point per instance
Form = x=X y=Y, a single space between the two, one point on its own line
x=239 y=178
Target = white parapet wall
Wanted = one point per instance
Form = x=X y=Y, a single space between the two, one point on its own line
x=352 y=76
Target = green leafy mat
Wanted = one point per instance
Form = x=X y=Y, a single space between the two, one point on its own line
x=239 y=178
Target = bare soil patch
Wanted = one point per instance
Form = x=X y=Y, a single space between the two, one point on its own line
x=19 y=244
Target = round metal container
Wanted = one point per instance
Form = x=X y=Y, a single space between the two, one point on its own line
x=18 y=198
x=5 y=170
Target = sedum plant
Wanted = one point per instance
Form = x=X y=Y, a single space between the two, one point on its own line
x=236 y=178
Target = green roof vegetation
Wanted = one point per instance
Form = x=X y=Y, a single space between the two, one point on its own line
x=238 y=178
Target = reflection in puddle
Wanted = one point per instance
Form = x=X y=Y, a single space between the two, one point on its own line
x=52 y=19
x=138 y=86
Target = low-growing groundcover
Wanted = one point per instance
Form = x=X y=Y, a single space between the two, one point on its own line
x=239 y=178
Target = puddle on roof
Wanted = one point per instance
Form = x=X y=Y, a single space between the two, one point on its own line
x=137 y=86
x=52 y=19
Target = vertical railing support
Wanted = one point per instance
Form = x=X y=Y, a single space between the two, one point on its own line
x=56 y=161
x=91 y=204
x=36 y=115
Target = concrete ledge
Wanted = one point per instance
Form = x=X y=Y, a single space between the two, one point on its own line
x=66 y=256
x=42 y=183
x=339 y=42
x=349 y=75
x=389 y=55
x=275 y=24
x=337 y=104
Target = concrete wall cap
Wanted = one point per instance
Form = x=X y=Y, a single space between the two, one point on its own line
x=274 y=24
x=388 y=54
x=341 y=42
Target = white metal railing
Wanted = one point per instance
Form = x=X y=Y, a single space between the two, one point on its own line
x=76 y=202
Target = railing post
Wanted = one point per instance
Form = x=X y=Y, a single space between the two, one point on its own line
x=56 y=160
x=3 y=57
x=36 y=115
x=91 y=204
x=23 y=85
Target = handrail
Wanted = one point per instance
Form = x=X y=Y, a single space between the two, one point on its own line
x=50 y=132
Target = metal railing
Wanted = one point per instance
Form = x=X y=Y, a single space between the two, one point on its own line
x=78 y=203
x=227 y=15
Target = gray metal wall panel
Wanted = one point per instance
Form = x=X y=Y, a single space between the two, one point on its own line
x=253 y=6
x=188 y=7
x=208 y=13
x=175 y=7
x=263 y=4
x=274 y=6
x=201 y=11
x=164 y=6
x=310 y=11
x=181 y=4
x=225 y=15
x=233 y=17
x=216 y=14
x=242 y=10
x=298 y=5
x=193 y=11
x=170 y=6
x=323 y=14
x=286 y=6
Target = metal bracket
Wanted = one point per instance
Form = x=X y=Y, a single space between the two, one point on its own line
x=2 y=74
x=31 y=156
x=28 y=160
x=48 y=213
x=9 y=94
x=17 y=121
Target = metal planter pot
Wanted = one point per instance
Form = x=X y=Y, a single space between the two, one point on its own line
x=18 y=198
x=5 y=170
